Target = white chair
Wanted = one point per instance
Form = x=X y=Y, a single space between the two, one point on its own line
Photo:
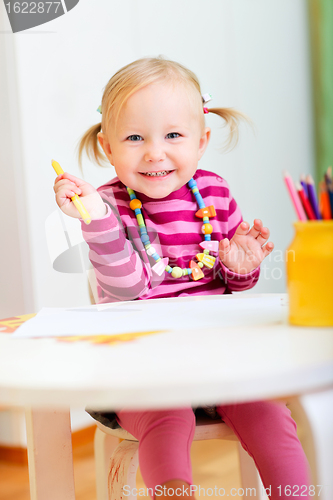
x=117 y=464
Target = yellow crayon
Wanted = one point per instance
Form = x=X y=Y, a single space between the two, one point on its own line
x=75 y=199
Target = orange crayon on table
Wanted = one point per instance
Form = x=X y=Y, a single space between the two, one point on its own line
x=75 y=199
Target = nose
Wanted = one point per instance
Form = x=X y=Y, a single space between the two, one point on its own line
x=154 y=153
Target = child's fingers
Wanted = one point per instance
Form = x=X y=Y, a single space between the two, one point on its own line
x=268 y=248
x=67 y=190
x=224 y=247
x=85 y=187
x=72 y=178
x=263 y=236
x=256 y=228
x=242 y=229
x=64 y=186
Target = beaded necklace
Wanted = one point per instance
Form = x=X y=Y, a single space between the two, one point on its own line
x=204 y=258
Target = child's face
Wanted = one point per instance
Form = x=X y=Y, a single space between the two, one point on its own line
x=159 y=131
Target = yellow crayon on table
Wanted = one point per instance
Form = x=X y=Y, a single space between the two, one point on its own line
x=75 y=199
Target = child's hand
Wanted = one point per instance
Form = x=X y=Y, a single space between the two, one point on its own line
x=66 y=186
x=247 y=249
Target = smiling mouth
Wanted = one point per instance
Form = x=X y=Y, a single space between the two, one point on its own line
x=162 y=173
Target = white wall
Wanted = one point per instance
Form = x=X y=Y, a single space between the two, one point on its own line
x=250 y=54
x=15 y=272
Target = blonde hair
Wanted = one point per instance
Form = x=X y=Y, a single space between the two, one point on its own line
x=134 y=77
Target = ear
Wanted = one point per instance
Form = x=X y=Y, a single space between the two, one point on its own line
x=104 y=142
x=204 y=140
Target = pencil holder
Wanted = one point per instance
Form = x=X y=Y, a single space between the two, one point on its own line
x=310 y=274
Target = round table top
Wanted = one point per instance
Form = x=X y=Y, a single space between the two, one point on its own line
x=221 y=363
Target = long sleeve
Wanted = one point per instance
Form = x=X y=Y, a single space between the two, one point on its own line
x=122 y=272
x=239 y=282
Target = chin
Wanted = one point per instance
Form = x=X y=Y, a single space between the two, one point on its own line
x=158 y=193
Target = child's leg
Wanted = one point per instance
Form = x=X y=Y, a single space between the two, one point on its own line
x=268 y=433
x=165 y=439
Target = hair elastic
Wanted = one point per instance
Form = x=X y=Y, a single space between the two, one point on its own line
x=206 y=98
x=206 y=111
x=99 y=109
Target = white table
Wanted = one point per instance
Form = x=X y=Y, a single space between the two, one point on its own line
x=222 y=364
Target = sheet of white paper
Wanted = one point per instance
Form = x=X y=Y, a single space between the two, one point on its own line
x=153 y=315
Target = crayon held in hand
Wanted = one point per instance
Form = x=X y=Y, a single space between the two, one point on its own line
x=75 y=199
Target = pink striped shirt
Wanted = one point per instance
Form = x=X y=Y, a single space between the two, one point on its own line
x=121 y=264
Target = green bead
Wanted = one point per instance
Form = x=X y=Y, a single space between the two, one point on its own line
x=167 y=268
x=177 y=272
x=206 y=251
x=195 y=190
x=200 y=264
x=140 y=220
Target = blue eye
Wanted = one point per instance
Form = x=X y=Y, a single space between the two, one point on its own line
x=134 y=138
x=173 y=135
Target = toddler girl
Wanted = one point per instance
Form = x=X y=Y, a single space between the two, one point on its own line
x=163 y=228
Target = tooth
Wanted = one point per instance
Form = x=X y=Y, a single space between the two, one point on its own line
x=154 y=174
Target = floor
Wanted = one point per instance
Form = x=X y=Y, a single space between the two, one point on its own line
x=215 y=463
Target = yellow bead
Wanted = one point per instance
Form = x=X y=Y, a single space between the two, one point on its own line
x=177 y=272
x=207 y=229
x=135 y=203
x=140 y=220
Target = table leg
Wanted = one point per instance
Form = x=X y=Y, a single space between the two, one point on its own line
x=318 y=409
x=50 y=455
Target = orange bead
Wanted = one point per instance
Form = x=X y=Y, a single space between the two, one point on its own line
x=197 y=274
x=207 y=229
x=206 y=212
x=135 y=203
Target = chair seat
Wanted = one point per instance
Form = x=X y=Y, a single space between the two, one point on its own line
x=205 y=428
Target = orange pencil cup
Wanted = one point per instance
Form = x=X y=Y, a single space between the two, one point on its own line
x=310 y=274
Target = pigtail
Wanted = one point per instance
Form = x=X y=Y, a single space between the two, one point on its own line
x=232 y=119
x=90 y=145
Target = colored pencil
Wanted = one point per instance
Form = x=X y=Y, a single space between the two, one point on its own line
x=312 y=196
x=305 y=187
x=294 y=197
x=324 y=202
x=305 y=202
x=329 y=184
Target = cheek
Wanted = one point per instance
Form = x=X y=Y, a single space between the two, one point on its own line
x=190 y=157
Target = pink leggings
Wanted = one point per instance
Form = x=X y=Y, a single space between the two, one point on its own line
x=265 y=430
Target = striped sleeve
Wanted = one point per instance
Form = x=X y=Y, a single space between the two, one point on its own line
x=239 y=282
x=122 y=272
